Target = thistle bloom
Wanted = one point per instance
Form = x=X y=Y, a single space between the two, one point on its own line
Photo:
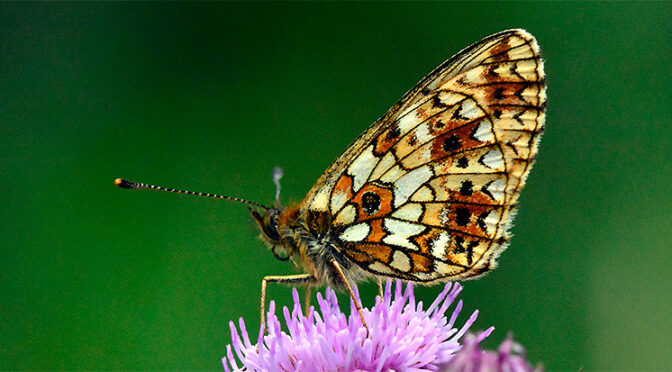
x=509 y=357
x=402 y=335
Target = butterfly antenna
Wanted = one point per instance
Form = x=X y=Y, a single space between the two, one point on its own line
x=125 y=184
x=277 y=175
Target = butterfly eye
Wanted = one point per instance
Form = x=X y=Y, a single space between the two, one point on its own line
x=370 y=203
x=270 y=225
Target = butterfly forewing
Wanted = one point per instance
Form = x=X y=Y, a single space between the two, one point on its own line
x=428 y=192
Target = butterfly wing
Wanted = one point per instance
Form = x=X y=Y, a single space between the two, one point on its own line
x=429 y=191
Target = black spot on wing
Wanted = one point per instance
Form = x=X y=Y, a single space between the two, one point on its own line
x=394 y=132
x=462 y=216
x=467 y=188
x=499 y=94
x=451 y=144
x=463 y=162
x=370 y=203
x=436 y=101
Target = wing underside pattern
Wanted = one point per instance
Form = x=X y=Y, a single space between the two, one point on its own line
x=429 y=191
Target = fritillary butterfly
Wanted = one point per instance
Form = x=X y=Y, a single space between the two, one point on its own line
x=429 y=191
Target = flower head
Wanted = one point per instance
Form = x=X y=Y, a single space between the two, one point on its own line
x=509 y=357
x=402 y=335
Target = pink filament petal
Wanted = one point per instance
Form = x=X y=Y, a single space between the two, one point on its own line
x=402 y=336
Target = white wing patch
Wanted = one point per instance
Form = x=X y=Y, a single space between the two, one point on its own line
x=491 y=221
x=401 y=261
x=321 y=201
x=493 y=159
x=361 y=168
x=383 y=165
x=338 y=199
x=483 y=132
x=496 y=189
x=356 y=233
x=450 y=98
x=409 y=212
x=470 y=110
x=407 y=122
x=439 y=245
x=422 y=133
x=405 y=186
x=400 y=231
x=392 y=174
x=346 y=216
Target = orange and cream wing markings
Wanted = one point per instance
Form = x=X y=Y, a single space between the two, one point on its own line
x=428 y=192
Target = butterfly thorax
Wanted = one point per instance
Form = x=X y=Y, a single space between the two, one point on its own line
x=308 y=240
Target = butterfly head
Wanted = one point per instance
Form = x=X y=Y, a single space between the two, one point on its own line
x=270 y=234
x=268 y=221
x=268 y=224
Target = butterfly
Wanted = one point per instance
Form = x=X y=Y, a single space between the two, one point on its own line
x=429 y=191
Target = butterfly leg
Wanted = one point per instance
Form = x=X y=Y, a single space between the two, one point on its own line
x=338 y=269
x=287 y=279
x=307 y=304
x=380 y=288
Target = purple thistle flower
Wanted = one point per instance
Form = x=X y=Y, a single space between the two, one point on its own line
x=510 y=358
x=402 y=336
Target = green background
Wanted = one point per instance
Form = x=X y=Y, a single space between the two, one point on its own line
x=211 y=96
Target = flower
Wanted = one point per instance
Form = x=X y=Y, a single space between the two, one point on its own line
x=510 y=357
x=402 y=335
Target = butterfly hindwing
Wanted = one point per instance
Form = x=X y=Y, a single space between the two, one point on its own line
x=428 y=192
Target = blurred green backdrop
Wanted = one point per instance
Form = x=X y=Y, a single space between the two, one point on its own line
x=211 y=96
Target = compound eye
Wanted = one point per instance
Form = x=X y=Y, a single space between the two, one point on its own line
x=270 y=226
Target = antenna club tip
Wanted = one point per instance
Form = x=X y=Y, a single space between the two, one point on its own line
x=124 y=184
